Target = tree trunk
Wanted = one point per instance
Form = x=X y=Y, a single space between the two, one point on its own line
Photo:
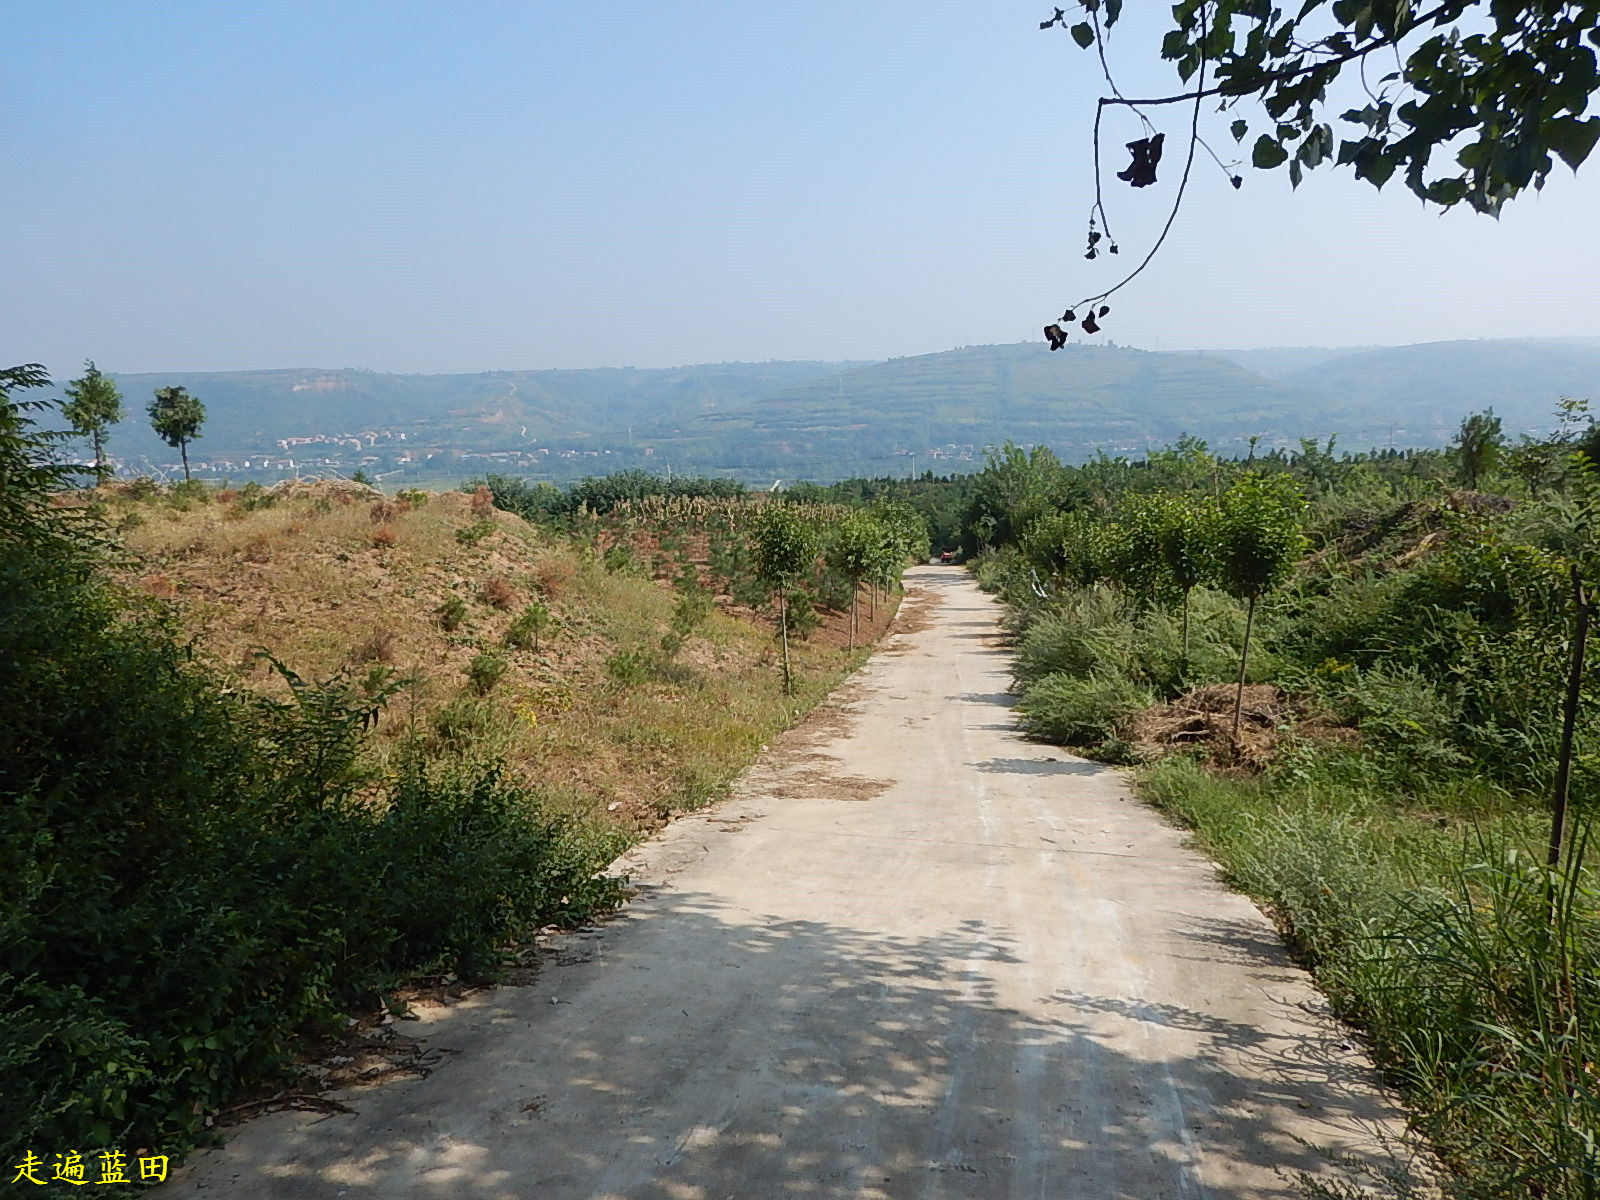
x=1244 y=658
x=1569 y=719
x=1186 y=592
x=183 y=449
x=99 y=458
x=783 y=635
x=855 y=603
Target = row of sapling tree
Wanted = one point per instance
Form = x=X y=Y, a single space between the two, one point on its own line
x=868 y=546
x=1161 y=546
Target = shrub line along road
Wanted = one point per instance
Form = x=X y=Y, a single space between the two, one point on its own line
x=912 y=956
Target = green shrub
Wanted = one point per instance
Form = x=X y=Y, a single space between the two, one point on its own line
x=189 y=491
x=524 y=631
x=253 y=496
x=1084 y=631
x=471 y=535
x=451 y=613
x=693 y=606
x=485 y=670
x=619 y=559
x=1400 y=712
x=468 y=723
x=800 y=614
x=834 y=589
x=629 y=668
x=1216 y=630
x=195 y=878
x=1080 y=711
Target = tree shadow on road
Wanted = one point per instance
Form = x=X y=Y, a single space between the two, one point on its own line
x=1039 y=766
x=713 y=1052
x=998 y=699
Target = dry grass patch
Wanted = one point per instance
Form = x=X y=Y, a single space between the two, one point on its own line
x=497 y=593
x=325 y=602
x=551 y=576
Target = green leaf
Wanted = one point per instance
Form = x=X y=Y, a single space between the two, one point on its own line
x=1572 y=139
x=1083 y=34
x=1240 y=128
x=1267 y=153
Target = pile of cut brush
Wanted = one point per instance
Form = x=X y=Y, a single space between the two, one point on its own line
x=1202 y=721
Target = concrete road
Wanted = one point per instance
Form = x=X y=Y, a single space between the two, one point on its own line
x=913 y=956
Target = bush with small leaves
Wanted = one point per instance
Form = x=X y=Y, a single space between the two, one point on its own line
x=253 y=496
x=800 y=615
x=471 y=535
x=1077 y=710
x=619 y=559
x=524 y=632
x=486 y=669
x=628 y=668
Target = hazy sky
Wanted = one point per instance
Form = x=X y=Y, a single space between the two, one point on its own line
x=475 y=185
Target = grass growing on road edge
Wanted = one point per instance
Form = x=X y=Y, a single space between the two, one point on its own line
x=1429 y=927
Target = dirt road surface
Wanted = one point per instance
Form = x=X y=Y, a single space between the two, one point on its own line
x=912 y=956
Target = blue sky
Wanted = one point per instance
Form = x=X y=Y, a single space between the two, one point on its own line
x=484 y=185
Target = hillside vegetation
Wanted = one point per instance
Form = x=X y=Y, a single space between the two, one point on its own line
x=273 y=755
x=1350 y=675
x=540 y=644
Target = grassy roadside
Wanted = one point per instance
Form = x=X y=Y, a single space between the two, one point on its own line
x=1382 y=785
x=1427 y=921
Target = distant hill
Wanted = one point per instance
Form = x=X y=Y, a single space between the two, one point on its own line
x=1080 y=399
x=250 y=412
x=1279 y=362
x=1428 y=388
x=824 y=420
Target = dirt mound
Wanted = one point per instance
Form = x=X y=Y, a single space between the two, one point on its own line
x=1203 y=718
x=320 y=489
